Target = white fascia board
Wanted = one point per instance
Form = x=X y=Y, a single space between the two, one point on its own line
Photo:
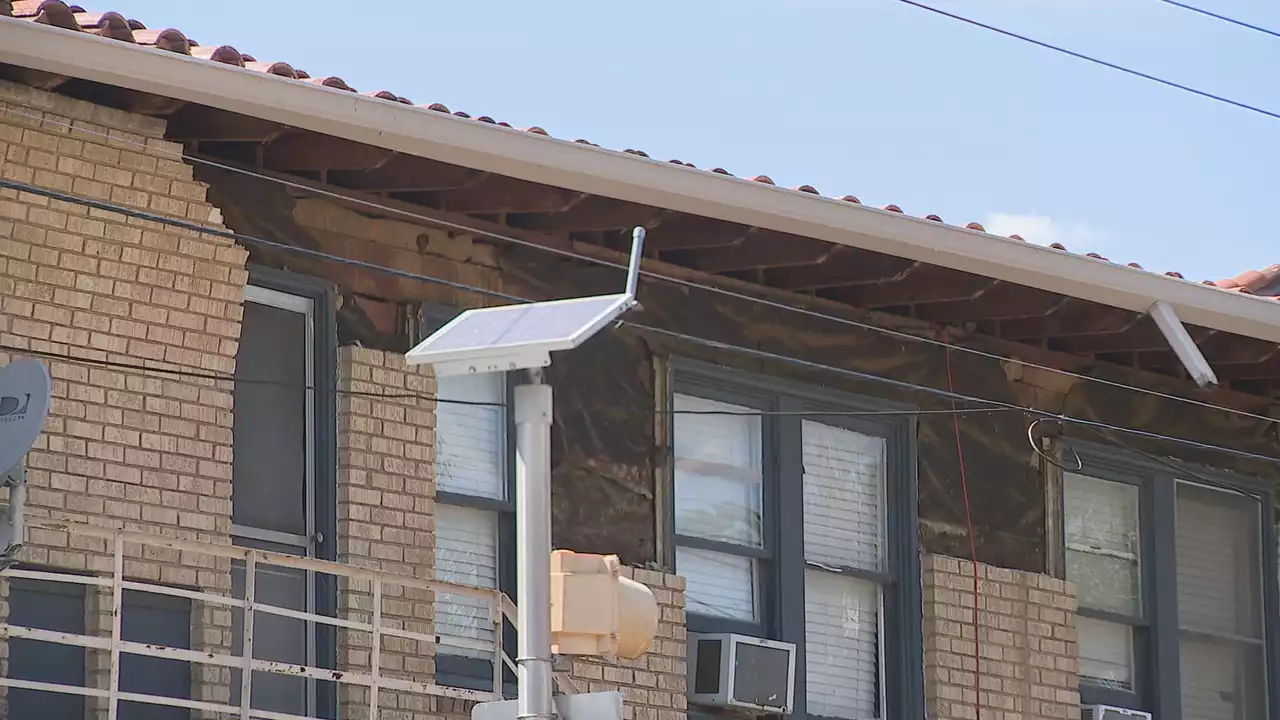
x=537 y=158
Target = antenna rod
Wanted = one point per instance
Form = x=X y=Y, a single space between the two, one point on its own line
x=633 y=270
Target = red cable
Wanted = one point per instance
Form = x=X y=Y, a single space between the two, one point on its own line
x=973 y=541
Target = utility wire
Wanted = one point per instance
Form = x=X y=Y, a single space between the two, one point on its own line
x=607 y=263
x=1094 y=60
x=198 y=375
x=1223 y=18
x=704 y=342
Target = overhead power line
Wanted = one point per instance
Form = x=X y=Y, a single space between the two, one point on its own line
x=703 y=342
x=1094 y=60
x=478 y=232
x=1223 y=18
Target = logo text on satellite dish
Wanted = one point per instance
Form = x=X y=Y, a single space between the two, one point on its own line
x=13 y=409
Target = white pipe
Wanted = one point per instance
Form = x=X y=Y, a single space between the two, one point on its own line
x=1175 y=333
x=533 y=412
x=430 y=134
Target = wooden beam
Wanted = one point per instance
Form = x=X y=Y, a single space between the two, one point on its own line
x=294 y=151
x=35 y=78
x=690 y=232
x=999 y=302
x=926 y=284
x=593 y=213
x=1265 y=370
x=406 y=173
x=1077 y=317
x=122 y=98
x=498 y=195
x=854 y=267
x=762 y=249
x=195 y=122
x=1139 y=336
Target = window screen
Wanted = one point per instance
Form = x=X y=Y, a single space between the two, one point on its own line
x=270 y=421
x=844 y=473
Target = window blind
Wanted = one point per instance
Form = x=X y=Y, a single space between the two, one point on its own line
x=718 y=584
x=1106 y=653
x=719 y=496
x=842 y=647
x=843 y=488
x=470 y=442
x=1218 y=547
x=843 y=512
x=718 y=472
x=467 y=553
x=1102 y=543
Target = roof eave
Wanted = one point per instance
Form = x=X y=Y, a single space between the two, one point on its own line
x=624 y=176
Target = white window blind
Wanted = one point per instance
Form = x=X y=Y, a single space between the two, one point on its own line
x=467 y=553
x=719 y=497
x=469 y=438
x=470 y=461
x=1106 y=653
x=718 y=478
x=844 y=473
x=1102 y=543
x=843 y=491
x=842 y=646
x=718 y=584
x=1218 y=545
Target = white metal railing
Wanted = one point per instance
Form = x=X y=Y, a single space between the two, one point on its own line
x=500 y=607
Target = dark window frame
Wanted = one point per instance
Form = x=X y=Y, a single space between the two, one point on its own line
x=466 y=672
x=323 y=297
x=1157 y=671
x=902 y=642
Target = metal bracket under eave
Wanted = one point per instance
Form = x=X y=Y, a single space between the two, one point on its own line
x=1175 y=333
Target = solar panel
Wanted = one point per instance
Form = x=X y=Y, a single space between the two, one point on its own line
x=516 y=336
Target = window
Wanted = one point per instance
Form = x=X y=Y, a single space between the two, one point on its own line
x=475 y=522
x=62 y=607
x=47 y=606
x=284 y=481
x=1171 y=576
x=800 y=528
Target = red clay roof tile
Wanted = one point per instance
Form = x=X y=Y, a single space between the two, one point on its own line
x=115 y=26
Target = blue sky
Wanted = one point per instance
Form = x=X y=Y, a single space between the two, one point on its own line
x=866 y=97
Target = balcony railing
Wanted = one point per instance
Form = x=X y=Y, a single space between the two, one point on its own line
x=372 y=676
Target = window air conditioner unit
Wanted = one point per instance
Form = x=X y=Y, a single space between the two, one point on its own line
x=738 y=671
x=1110 y=712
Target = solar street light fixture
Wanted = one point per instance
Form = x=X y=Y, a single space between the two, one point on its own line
x=522 y=337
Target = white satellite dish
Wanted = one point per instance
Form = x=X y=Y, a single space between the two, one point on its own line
x=24 y=404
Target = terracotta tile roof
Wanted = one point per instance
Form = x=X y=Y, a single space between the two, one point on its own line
x=114 y=25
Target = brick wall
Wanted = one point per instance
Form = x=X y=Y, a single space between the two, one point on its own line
x=122 y=448
x=127 y=447
x=386 y=491
x=1027 y=643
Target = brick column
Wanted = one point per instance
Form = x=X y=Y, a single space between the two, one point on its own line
x=386 y=497
x=1027 y=642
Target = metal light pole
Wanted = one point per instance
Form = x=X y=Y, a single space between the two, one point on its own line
x=533 y=412
x=477 y=341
